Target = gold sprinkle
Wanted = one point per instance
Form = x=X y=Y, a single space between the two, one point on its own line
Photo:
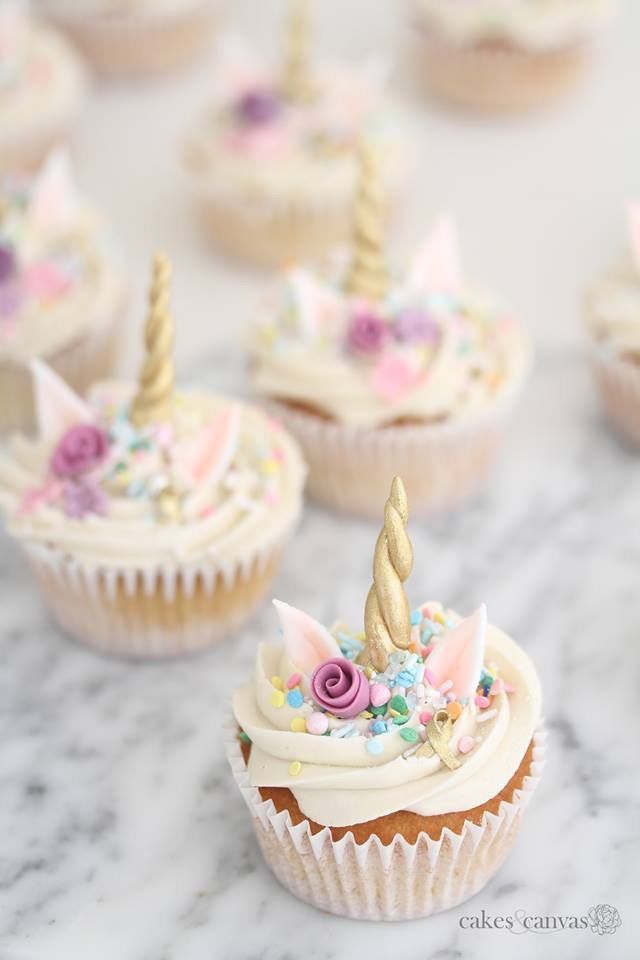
x=277 y=698
x=277 y=683
x=295 y=768
x=298 y=725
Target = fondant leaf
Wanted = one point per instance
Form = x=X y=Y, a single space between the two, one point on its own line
x=207 y=457
x=436 y=268
x=57 y=406
x=54 y=201
x=634 y=233
x=306 y=641
x=459 y=654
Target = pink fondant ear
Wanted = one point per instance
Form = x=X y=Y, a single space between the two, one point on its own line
x=633 y=215
x=57 y=406
x=436 y=268
x=208 y=456
x=54 y=203
x=306 y=641
x=459 y=654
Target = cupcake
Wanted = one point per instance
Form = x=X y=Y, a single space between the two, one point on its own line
x=377 y=374
x=613 y=323
x=272 y=163
x=135 y=38
x=387 y=772
x=42 y=89
x=62 y=288
x=153 y=521
x=504 y=55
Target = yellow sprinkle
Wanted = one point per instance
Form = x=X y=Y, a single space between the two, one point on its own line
x=298 y=725
x=366 y=715
x=394 y=713
x=277 y=683
x=270 y=466
x=295 y=768
x=440 y=617
x=277 y=698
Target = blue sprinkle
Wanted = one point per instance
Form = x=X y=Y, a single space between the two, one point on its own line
x=427 y=631
x=379 y=727
x=375 y=747
x=416 y=617
x=342 y=731
x=295 y=698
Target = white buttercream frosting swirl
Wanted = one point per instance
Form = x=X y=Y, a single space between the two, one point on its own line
x=537 y=24
x=338 y=782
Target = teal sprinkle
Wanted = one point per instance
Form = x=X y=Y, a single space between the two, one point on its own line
x=416 y=617
x=409 y=734
x=400 y=720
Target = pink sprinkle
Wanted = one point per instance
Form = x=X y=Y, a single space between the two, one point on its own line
x=430 y=678
x=482 y=702
x=446 y=686
x=508 y=688
x=496 y=687
x=271 y=497
x=466 y=744
x=426 y=651
x=426 y=612
x=379 y=694
x=293 y=680
x=278 y=454
x=425 y=717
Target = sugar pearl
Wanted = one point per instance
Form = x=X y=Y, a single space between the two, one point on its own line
x=379 y=694
x=466 y=744
x=317 y=723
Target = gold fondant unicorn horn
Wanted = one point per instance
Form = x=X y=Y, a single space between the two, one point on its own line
x=297 y=81
x=368 y=277
x=387 y=617
x=152 y=402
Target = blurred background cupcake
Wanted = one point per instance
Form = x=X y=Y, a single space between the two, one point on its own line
x=42 y=88
x=62 y=287
x=272 y=161
x=377 y=373
x=131 y=38
x=503 y=55
x=154 y=521
x=613 y=323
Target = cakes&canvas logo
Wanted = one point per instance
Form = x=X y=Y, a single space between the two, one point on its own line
x=602 y=919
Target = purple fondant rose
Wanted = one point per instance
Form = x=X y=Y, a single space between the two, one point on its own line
x=257 y=107
x=81 y=449
x=339 y=687
x=8 y=263
x=367 y=333
x=416 y=326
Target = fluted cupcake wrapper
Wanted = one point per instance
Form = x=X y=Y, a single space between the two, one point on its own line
x=137 y=45
x=618 y=383
x=351 y=468
x=90 y=357
x=497 y=77
x=155 y=613
x=374 y=881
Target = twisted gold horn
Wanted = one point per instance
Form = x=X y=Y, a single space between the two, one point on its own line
x=387 y=618
x=368 y=276
x=152 y=403
x=297 y=82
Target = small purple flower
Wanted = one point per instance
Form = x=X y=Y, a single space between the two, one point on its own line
x=337 y=685
x=8 y=263
x=12 y=297
x=257 y=107
x=81 y=449
x=416 y=326
x=368 y=332
x=83 y=497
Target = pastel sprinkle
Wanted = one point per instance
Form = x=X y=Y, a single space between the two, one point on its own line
x=425 y=717
x=409 y=734
x=482 y=702
x=399 y=704
x=466 y=744
x=379 y=694
x=293 y=680
x=277 y=698
x=295 y=699
x=317 y=723
x=379 y=727
x=298 y=725
x=277 y=683
x=416 y=617
x=454 y=710
x=430 y=678
x=375 y=747
x=400 y=720
x=295 y=768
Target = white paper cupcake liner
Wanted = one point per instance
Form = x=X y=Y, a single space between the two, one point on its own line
x=351 y=468
x=497 y=78
x=153 y=613
x=374 y=881
x=618 y=383
x=138 y=45
x=91 y=357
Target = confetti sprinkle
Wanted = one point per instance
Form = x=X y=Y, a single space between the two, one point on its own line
x=466 y=744
x=277 y=698
x=295 y=768
x=295 y=699
x=317 y=723
x=298 y=725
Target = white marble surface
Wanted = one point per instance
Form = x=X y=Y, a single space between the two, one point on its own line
x=122 y=836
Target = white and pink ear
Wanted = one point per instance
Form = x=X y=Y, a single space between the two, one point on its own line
x=206 y=458
x=306 y=641
x=633 y=216
x=54 y=202
x=459 y=655
x=57 y=406
x=437 y=268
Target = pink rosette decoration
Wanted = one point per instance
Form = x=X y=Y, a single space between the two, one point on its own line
x=368 y=333
x=82 y=448
x=340 y=688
